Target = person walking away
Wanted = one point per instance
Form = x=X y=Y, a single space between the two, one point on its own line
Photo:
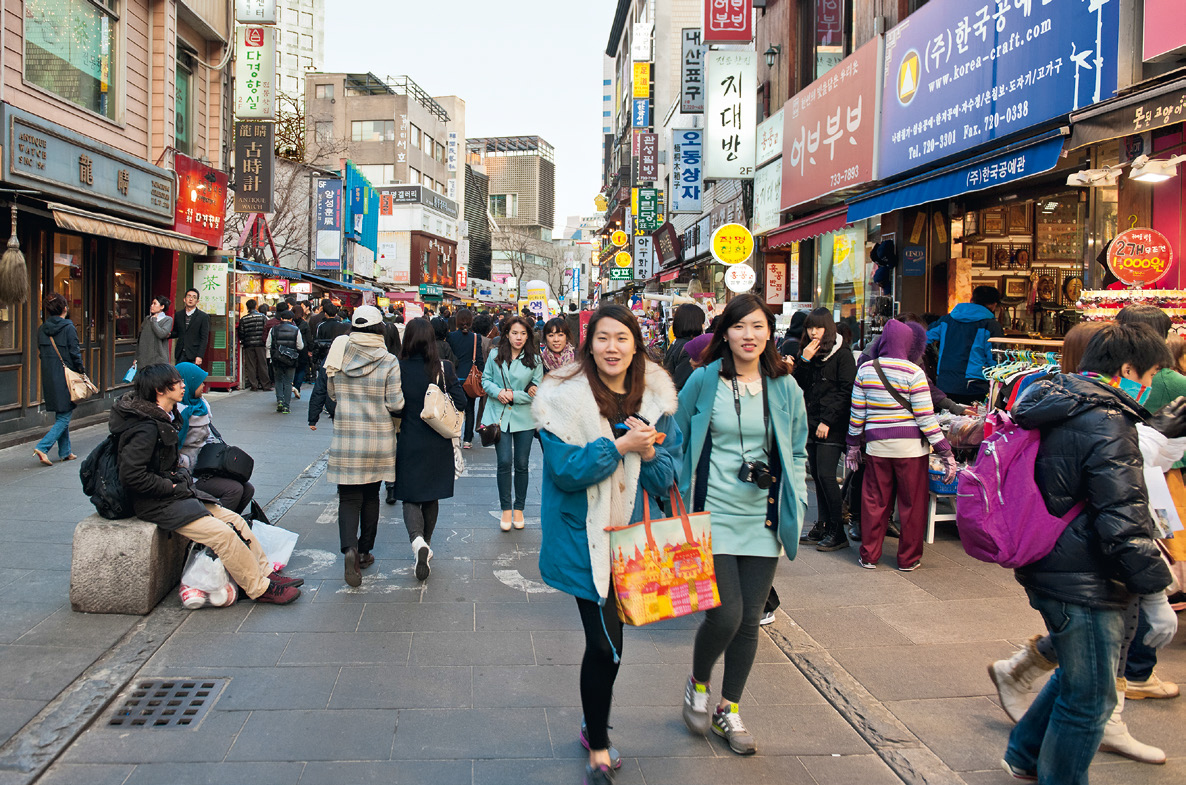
x=510 y=380
x=364 y=382
x=333 y=325
x=153 y=345
x=964 y=350
x=57 y=348
x=595 y=476
x=686 y=324
x=825 y=370
x=557 y=350
x=423 y=458
x=1090 y=454
x=468 y=348
x=305 y=360
x=251 y=337
x=440 y=327
x=145 y=424
x=745 y=429
x=319 y=315
x=194 y=431
x=191 y=331
x=284 y=350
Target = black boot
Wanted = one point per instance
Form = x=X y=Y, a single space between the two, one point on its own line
x=390 y=493
x=892 y=530
x=815 y=535
x=834 y=539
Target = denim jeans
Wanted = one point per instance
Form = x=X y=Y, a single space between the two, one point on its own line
x=284 y=385
x=58 y=432
x=1060 y=733
x=518 y=443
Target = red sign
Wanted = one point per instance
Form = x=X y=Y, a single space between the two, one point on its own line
x=728 y=22
x=1165 y=30
x=1140 y=257
x=254 y=36
x=462 y=278
x=201 y=201
x=828 y=130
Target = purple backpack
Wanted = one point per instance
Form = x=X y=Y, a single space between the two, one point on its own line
x=1000 y=512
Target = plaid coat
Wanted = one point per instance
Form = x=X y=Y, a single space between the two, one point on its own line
x=367 y=392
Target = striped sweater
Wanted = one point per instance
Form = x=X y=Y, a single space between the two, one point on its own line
x=876 y=415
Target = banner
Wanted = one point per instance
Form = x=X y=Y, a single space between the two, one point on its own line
x=687 y=174
x=730 y=114
x=648 y=158
x=642 y=257
x=255 y=73
x=770 y=138
x=767 y=193
x=255 y=164
x=327 y=224
x=728 y=21
x=691 y=81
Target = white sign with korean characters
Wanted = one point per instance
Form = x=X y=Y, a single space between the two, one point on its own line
x=770 y=138
x=730 y=114
x=255 y=12
x=687 y=170
x=691 y=82
x=767 y=194
x=776 y=283
x=642 y=257
x=740 y=278
x=451 y=153
x=210 y=279
x=255 y=73
x=640 y=43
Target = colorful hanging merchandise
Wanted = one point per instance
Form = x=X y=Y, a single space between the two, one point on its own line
x=1102 y=305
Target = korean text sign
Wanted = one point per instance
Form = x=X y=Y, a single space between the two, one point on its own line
x=959 y=74
x=829 y=130
x=201 y=200
x=687 y=173
x=648 y=157
x=255 y=162
x=730 y=114
x=642 y=80
x=328 y=223
x=728 y=21
x=691 y=82
x=255 y=73
x=648 y=210
x=1140 y=257
x=255 y=12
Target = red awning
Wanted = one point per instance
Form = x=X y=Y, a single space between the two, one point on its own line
x=671 y=276
x=809 y=226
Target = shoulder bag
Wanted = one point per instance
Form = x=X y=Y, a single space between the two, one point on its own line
x=439 y=411
x=896 y=395
x=220 y=459
x=473 y=381
x=79 y=384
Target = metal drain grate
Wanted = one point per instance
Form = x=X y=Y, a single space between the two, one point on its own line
x=166 y=703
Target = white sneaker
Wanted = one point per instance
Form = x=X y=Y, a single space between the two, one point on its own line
x=422 y=552
x=696 y=713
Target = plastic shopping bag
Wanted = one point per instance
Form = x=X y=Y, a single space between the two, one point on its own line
x=131 y=374
x=277 y=543
x=204 y=581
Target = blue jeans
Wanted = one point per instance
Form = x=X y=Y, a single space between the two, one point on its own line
x=58 y=432
x=1060 y=733
x=518 y=443
x=284 y=385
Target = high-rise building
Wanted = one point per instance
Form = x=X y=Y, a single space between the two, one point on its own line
x=301 y=44
x=522 y=172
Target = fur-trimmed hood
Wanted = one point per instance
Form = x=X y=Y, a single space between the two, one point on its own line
x=131 y=409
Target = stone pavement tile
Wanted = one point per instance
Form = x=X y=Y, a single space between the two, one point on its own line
x=41 y=672
x=444 y=548
x=403 y=687
x=15 y=713
x=191 y=649
x=10 y=574
x=849 y=769
x=358 y=734
x=843 y=628
x=779 y=684
x=535 y=616
x=471 y=648
x=49 y=556
x=18 y=619
x=16 y=530
x=960 y=583
x=86 y=774
x=308 y=617
x=528 y=685
x=968 y=734
x=797 y=730
x=360 y=648
x=1158 y=722
x=404 y=772
x=652 y=732
x=217 y=619
x=963 y=621
x=67 y=628
x=418 y=617
x=919 y=672
x=253 y=689
x=546 y=771
x=675 y=647
x=753 y=770
x=471 y=733
x=376 y=587
x=568 y=648
x=37 y=587
x=1111 y=770
x=272 y=772
x=208 y=742
x=650 y=685
x=848 y=587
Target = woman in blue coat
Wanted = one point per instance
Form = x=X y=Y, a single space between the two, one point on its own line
x=599 y=423
x=745 y=429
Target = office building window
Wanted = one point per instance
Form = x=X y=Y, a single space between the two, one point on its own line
x=183 y=122
x=413 y=175
x=829 y=25
x=415 y=137
x=306 y=42
x=378 y=174
x=372 y=131
x=441 y=152
x=504 y=205
x=323 y=131
x=70 y=50
x=323 y=91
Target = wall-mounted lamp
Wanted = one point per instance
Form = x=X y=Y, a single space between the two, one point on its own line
x=1087 y=178
x=774 y=51
x=1147 y=170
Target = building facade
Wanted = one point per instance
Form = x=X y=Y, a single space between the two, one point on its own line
x=301 y=44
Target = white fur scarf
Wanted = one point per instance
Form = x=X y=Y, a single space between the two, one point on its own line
x=566 y=409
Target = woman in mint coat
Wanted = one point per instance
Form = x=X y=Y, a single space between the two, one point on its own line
x=600 y=421
x=511 y=377
x=741 y=414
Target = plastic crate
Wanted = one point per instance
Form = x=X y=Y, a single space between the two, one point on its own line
x=940 y=487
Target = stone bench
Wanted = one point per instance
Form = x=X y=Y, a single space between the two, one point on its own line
x=123 y=566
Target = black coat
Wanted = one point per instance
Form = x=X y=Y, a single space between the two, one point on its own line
x=191 y=333
x=423 y=458
x=251 y=329
x=60 y=331
x=1090 y=452
x=462 y=344
x=161 y=491
x=827 y=391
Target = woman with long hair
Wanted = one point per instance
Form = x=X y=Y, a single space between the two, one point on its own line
x=468 y=347
x=745 y=429
x=557 y=349
x=423 y=458
x=599 y=422
x=510 y=380
x=58 y=349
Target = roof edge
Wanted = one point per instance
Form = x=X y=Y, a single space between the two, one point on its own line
x=615 y=31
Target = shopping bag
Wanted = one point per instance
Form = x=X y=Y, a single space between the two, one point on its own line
x=131 y=374
x=458 y=460
x=662 y=569
x=204 y=571
x=1176 y=546
x=277 y=543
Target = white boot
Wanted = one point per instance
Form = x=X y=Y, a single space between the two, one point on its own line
x=1117 y=739
x=1014 y=677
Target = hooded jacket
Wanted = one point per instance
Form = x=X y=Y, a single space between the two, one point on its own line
x=1090 y=452
x=827 y=381
x=964 y=351
x=366 y=388
x=54 y=390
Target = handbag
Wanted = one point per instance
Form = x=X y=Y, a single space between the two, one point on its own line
x=473 y=380
x=439 y=411
x=669 y=572
x=79 y=384
x=222 y=460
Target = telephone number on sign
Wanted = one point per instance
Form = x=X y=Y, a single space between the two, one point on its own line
x=846 y=176
x=1011 y=115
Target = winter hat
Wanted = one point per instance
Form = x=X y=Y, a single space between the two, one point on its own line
x=897 y=340
x=695 y=347
x=366 y=316
x=795 y=329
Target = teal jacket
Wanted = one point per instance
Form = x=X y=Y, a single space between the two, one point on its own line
x=788 y=421
x=517 y=377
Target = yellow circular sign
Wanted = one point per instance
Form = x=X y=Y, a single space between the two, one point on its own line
x=909 y=73
x=619 y=238
x=623 y=259
x=732 y=244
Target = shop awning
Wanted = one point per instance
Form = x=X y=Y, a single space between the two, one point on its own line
x=1146 y=109
x=332 y=284
x=118 y=229
x=1015 y=162
x=268 y=270
x=812 y=225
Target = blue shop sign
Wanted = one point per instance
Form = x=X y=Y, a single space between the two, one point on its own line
x=914 y=261
x=959 y=74
x=642 y=113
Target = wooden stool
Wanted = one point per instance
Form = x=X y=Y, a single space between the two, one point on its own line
x=934 y=515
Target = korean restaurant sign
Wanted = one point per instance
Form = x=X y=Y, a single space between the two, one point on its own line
x=687 y=172
x=328 y=224
x=255 y=73
x=255 y=165
x=770 y=138
x=767 y=193
x=1140 y=257
x=691 y=80
x=728 y=21
x=648 y=157
x=732 y=244
x=830 y=130
x=648 y=210
x=255 y=12
x=730 y=114
x=959 y=74
x=201 y=200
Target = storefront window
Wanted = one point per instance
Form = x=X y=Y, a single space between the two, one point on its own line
x=70 y=50
x=68 y=276
x=8 y=328
x=181 y=107
x=841 y=275
x=127 y=304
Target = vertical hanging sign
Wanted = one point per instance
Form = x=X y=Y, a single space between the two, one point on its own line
x=328 y=223
x=691 y=80
x=255 y=162
x=728 y=21
x=255 y=73
x=255 y=12
x=730 y=114
x=642 y=80
x=648 y=158
x=687 y=173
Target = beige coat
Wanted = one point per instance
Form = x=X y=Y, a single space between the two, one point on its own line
x=367 y=391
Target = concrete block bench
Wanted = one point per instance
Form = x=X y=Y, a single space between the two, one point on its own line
x=123 y=566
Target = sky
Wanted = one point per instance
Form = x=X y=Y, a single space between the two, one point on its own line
x=523 y=67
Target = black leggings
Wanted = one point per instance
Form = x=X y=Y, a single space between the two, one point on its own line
x=824 y=458
x=420 y=519
x=732 y=627
x=358 y=509
x=603 y=637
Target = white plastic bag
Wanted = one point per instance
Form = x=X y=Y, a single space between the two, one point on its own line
x=204 y=571
x=458 y=460
x=277 y=543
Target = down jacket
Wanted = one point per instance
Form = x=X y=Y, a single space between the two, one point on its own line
x=826 y=381
x=1090 y=452
x=251 y=329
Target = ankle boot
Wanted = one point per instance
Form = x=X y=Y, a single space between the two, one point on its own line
x=1014 y=677
x=814 y=535
x=834 y=539
x=1118 y=740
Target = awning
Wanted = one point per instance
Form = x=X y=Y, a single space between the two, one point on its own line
x=268 y=270
x=812 y=225
x=1015 y=162
x=332 y=284
x=118 y=229
x=1148 y=109
x=669 y=277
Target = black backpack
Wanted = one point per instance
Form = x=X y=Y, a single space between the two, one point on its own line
x=100 y=481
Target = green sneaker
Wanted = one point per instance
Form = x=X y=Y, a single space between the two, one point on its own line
x=728 y=725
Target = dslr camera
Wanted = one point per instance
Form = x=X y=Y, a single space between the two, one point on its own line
x=756 y=472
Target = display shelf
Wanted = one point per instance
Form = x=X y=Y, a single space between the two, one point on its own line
x=1102 y=305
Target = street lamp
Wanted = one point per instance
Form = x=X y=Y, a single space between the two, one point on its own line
x=774 y=51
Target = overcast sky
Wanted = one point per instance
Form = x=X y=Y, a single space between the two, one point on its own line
x=523 y=67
